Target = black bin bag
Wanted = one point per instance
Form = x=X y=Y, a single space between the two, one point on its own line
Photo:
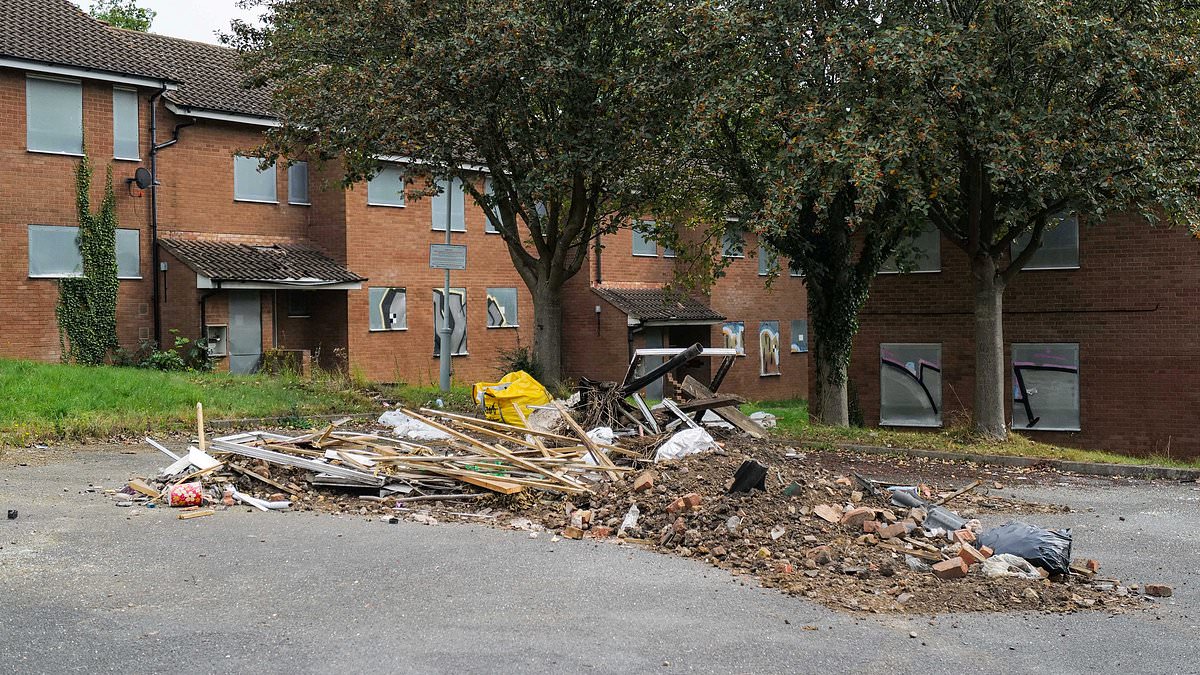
x=1048 y=549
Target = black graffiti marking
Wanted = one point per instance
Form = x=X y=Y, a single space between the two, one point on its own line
x=1024 y=397
x=918 y=377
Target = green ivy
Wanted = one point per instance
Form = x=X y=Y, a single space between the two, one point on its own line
x=87 y=305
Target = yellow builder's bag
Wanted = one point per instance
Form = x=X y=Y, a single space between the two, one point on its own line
x=498 y=398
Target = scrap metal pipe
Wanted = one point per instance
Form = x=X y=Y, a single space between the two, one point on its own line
x=675 y=362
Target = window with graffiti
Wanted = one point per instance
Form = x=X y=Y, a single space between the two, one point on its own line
x=768 y=348
x=1046 y=386
x=910 y=385
x=389 y=308
x=456 y=313
x=734 y=335
x=502 y=308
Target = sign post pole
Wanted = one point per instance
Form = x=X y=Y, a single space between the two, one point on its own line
x=444 y=380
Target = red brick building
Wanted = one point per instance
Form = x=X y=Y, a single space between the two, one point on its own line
x=283 y=257
x=1101 y=350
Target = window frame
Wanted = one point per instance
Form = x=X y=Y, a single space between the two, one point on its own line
x=932 y=230
x=274 y=170
x=447 y=193
x=516 y=305
x=454 y=290
x=291 y=307
x=403 y=197
x=371 y=309
x=291 y=181
x=636 y=234
x=224 y=329
x=770 y=257
x=741 y=247
x=1013 y=389
x=940 y=403
x=489 y=189
x=1030 y=266
x=74 y=228
x=30 y=77
x=137 y=121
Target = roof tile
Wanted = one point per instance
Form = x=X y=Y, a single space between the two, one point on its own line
x=283 y=263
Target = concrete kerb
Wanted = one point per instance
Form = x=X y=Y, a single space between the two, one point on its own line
x=1084 y=468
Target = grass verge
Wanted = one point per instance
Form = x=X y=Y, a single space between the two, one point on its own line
x=792 y=422
x=42 y=402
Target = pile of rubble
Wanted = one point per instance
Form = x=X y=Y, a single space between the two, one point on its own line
x=661 y=479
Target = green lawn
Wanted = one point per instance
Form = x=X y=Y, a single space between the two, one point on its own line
x=42 y=401
x=793 y=422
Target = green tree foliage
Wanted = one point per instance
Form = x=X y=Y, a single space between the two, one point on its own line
x=562 y=103
x=794 y=134
x=123 y=14
x=87 y=305
x=1025 y=109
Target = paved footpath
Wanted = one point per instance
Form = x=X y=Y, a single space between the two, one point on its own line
x=85 y=586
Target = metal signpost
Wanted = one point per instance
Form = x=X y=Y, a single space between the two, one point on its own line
x=448 y=257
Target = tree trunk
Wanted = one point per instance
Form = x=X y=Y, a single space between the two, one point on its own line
x=547 y=331
x=833 y=391
x=989 y=350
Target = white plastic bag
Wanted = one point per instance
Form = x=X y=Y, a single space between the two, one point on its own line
x=684 y=443
x=765 y=419
x=602 y=435
x=411 y=429
x=1009 y=565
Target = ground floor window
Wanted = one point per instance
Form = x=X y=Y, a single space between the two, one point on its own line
x=455 y=312
x=800 y=336
x=389 y=308
x=1046 y=386
x=734 y=335
x=298 y=305
x=910 y=384
x=768 y=348
x=502 y=308
x=54 y=252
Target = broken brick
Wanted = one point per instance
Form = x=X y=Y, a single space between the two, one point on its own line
x=896 y=530
x=785 y=568
x=856 y=517
x=964 y=536
x=954 y=568
x=572 y=532
x=970 y=554
x=821 y=555
x=677 y=505
x=826 y=512
x=692 y=500
x=1158 y=590
x=1092 y=565
x=986 y=551
x=870 y=526
x=644 y=482
x=600 y=531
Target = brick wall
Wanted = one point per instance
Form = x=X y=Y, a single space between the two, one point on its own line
x=1130 y=306
x=741 y=295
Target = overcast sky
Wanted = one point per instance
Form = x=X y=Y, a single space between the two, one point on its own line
x=192 y=19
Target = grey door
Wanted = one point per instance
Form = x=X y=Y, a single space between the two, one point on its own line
x=245 y=331
x=654 y=340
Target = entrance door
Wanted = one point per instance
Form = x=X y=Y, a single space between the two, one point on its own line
x=686 y=336
x=245 y=331
x=654 y=340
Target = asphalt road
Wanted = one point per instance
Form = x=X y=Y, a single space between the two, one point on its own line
x=87 y=586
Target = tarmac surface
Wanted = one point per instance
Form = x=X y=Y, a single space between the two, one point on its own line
x=88 y=586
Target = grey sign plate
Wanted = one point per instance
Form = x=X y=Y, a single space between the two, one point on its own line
x=448 y=256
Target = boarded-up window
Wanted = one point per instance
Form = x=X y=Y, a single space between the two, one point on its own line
x=922 y=253
x=386 y=188
x=910 y=385
x=250 y=184
x=54 y=116
x=502 y=308
x=455 y=312
x=389 y=308
x=54 y=252
x=1060 y=245
x=1046 y=386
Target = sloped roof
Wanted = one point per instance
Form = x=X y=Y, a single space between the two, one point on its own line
x=210 y=76
x=279 y=263
x=59 y=32
x=655 y=305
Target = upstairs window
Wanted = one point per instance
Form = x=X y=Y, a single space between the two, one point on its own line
x=125 y=124
x=54 y=116
x=386 y=188
x=490 y=190
x=298 y=183
x=450 y=192
x=732 y=245
x=768 y=262
x=1060 y=245
x=251 y=184
x=643 y=245
x=921 y=253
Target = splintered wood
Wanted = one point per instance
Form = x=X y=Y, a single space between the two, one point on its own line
x=476 y=457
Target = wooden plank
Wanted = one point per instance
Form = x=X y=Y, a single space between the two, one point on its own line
x=196 y=514
x=493 y=484
x=957 y=493
x=601 y=458
x=702 y=404
x=202 y=444
x=492 y=449
x=139 y=485
x=730 y=414
x=273 y=483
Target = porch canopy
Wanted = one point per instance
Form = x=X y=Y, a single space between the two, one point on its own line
x=232 y=265
x=651 y=306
